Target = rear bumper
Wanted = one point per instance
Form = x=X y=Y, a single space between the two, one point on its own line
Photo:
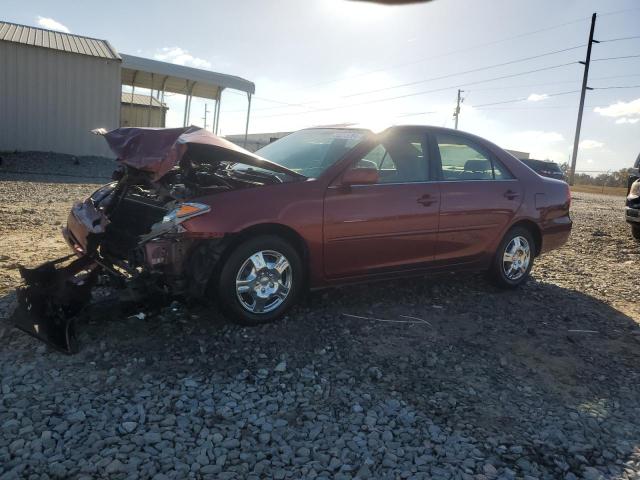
x=556 y=233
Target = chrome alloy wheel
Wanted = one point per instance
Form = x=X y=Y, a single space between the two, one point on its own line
x=516 y=258
x=264 y=281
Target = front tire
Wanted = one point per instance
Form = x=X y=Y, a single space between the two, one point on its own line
x=260 y=280
x=513 y=260
x=635 y=231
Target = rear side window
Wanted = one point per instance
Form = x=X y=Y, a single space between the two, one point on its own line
x=463 y=161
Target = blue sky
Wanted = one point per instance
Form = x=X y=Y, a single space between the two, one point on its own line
x=341 y=61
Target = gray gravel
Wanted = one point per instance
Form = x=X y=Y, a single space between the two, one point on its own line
x=482 y=384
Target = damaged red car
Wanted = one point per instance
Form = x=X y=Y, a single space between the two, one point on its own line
x=193 y=216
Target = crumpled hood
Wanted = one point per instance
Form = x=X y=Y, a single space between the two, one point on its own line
x=158 y=150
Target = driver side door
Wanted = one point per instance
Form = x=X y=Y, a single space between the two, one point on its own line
x=389 y=225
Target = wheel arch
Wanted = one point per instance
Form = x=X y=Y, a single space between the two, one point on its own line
x=206 y=259
x=277 y=229
x=535 y=231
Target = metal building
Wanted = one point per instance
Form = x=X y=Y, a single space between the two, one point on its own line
x=139 y=110
x=55 y=88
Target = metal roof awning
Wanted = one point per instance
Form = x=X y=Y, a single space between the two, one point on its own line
x=65 y=42
x=169 y=77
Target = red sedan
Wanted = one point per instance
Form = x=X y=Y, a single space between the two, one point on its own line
x=197 y=216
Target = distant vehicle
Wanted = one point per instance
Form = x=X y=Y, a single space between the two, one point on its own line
x=545 y=168
x=192 y=215
x=632 y=208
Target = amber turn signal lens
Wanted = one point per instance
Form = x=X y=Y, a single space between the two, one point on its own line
x=187 y=210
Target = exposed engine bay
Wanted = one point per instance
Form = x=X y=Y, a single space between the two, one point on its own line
x=128 y=235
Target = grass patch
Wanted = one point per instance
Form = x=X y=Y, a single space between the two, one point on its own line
x=615 y=191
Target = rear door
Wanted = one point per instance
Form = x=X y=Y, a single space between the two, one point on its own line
x=479 y=197
x=390 y=225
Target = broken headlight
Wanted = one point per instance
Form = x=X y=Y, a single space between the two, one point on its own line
x=185 y=211
x=172 y=220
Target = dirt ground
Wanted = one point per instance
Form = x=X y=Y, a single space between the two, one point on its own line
x=542 y=382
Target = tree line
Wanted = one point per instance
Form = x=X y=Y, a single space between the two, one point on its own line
x=617 y=178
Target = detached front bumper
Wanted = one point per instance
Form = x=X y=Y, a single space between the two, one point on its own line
x=52 y=296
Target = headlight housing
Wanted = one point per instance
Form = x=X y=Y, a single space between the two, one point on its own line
x=185 y=211
x=634 y=192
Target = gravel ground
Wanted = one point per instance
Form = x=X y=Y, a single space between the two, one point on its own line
x=480 y=384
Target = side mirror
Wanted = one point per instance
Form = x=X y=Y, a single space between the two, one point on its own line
x=360 y=176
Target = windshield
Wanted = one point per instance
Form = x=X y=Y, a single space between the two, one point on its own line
x=310 y=152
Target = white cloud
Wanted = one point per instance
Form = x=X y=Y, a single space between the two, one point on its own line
x=627 y=120
x=588 y=144
x=180 y=56
x=620 y=109
x=536 y=97
x=52 y=24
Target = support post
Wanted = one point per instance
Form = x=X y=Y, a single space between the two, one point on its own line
x=585 y=78
x=163 y=115
x=246 y=128
x=150 y=101
x=215 y=114
x=218 y=105
x=187 y=103
x=456 y=113
x=206 y=111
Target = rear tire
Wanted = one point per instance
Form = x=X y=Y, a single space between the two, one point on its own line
x=260 y=280
x=635 y=231
x=513 y=260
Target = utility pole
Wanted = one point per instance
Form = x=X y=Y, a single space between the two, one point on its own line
x=205 y=115
x=586 y=63
x=456 y=113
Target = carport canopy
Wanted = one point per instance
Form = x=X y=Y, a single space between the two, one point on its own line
x=168 y=77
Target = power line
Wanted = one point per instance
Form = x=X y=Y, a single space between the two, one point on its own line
x=533 y=32
x=522 y=99
x=536 y=107
x=619 y=39
x=529 y=85
x=614 y=58
x=426 y=80
x=418 y=93
x=615 y=86
x=617 y=12
x=465 y=72
x=474 y=47
x=453 y=52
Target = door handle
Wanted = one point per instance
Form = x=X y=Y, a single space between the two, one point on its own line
x=426 y=200
x=510 y=194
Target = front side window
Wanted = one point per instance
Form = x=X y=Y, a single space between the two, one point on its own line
x=399 y=158
x=461 y=160
x=310 y=152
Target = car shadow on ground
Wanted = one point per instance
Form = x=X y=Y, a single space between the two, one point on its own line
x=550 y=370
